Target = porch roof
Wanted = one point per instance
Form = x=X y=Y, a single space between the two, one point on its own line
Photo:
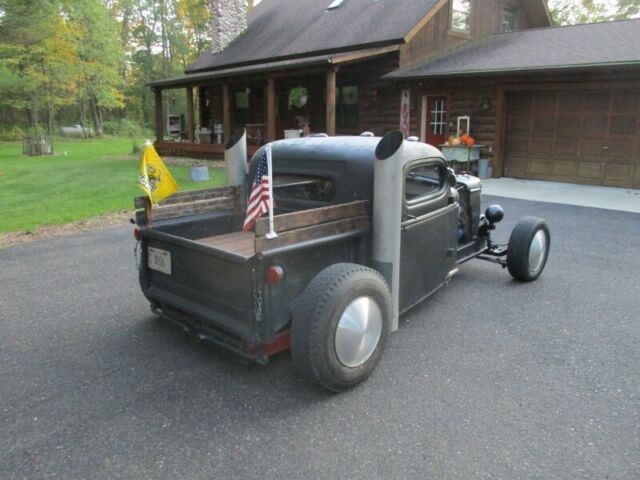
x=298 y=63
x=598 y=45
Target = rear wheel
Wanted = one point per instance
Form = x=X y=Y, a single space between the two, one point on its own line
x=340 y=326
x=528 y=249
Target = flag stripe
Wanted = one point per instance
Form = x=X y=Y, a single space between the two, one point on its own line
x=259 y=200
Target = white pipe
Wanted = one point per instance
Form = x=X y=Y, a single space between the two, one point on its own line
x=387 y=213
x=272 y=233
x=235 y=159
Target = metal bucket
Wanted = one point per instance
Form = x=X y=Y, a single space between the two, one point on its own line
x=483 y=168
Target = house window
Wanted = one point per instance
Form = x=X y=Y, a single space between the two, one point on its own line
x=509 y=19
x=347 y=115
x=461 y=16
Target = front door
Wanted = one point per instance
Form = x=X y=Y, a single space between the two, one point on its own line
x=429 y=224
x=434 y=119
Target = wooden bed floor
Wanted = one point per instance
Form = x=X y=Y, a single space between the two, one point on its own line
x=240 y=243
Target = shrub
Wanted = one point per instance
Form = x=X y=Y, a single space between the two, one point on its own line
x=124 y=128
x=11 y=133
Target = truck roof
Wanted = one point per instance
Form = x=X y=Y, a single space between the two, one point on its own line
x=350 y=149
x=347 y=161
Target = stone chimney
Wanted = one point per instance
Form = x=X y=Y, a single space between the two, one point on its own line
x=227 y=20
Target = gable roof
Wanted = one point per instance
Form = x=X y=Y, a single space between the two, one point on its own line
x=281 y=29
x=555 y=48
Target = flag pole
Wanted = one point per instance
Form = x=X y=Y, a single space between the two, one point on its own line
x=272 y=233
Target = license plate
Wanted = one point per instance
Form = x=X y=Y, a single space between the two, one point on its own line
x=160 y=260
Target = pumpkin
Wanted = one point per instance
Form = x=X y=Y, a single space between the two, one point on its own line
x=463 y=138
x=455 y=141
x=470 y=141
x=450 y=140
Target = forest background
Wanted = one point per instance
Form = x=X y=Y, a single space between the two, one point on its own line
x=87 y=62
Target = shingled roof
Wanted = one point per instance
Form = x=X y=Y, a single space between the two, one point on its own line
x=557 y=48
x=280 y=29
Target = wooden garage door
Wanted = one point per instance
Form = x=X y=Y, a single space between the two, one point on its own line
x=588 y=137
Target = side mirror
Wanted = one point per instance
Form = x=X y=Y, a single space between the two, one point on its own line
x=451 y=177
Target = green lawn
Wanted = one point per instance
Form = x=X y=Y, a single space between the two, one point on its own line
x=95 y=177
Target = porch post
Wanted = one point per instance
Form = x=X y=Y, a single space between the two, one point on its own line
x=501 y=127
x=159 y=117
x=190 y=114
x=226 y=111
x=331 y=102
x=271 y=109
x=204 y=108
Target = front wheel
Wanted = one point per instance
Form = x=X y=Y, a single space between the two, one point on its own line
x=528 y=249
x=340 y=326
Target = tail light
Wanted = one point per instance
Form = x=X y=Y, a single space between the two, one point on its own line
x=273 y=274
x=137 y=234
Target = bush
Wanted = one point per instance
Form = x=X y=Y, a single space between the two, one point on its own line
x=124 y=128
x=12 y=133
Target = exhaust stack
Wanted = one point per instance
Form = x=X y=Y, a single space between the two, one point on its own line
x=235 y=159
x=387 y=213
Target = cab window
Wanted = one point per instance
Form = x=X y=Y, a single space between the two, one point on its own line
x=302 y=187
x=423 y=181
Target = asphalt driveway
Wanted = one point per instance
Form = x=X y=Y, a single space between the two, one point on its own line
x=487 y=379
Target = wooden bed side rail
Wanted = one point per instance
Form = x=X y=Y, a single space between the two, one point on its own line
x=309 y=224
x=182 y=204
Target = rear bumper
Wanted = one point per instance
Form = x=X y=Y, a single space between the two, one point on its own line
x=205 y=332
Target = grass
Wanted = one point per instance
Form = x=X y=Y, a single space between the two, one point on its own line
x=95 y=177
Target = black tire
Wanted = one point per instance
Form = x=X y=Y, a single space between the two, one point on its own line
x=520 y=243
x=316 y=314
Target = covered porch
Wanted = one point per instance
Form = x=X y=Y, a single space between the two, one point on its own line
x=324 y=94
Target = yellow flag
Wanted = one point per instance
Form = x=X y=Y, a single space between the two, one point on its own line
x=155 y=179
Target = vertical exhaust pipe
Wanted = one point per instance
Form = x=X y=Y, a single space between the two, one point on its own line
x=388 y=184
x=235 y=159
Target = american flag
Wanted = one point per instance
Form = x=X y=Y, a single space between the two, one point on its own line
x=259 y=200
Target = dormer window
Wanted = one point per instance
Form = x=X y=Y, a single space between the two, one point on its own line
x=335 y=4
x=461 y=16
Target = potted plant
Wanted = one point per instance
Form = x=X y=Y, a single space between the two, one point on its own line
x=298 y=97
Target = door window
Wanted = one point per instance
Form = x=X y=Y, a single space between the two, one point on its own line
x=438 y=117
x=422 y=182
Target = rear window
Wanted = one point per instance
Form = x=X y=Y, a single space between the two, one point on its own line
x=302 y=187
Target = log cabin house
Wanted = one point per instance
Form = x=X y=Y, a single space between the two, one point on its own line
x=548 y=103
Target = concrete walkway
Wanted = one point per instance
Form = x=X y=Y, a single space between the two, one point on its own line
x=610 y=198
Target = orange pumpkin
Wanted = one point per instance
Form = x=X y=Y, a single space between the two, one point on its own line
x=470 y=141
x=463 y=138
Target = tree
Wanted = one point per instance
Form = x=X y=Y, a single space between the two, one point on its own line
x=99 y=59
x=628 y=9
x=79 y=59
x=571 y=12
x=35 y=46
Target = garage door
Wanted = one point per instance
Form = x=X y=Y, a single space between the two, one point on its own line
x=583 y=137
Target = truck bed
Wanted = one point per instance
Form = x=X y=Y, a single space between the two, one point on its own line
x=239 y=243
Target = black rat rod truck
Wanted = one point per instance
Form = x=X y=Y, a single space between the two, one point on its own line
x=366 y=229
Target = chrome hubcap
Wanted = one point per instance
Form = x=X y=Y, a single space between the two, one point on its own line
x=358 y=331
x=537 y=251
